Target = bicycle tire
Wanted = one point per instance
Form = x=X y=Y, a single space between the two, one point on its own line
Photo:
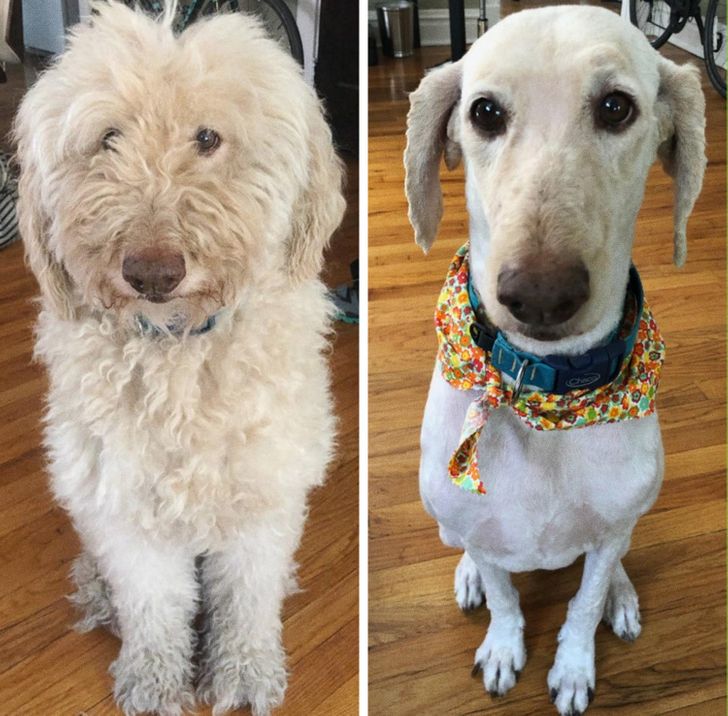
x=636 y=17
x=714 y=73
x=290 y=39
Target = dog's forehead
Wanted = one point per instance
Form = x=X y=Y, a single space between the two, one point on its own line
x=561 y=47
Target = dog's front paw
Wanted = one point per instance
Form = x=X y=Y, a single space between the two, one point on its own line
x=571 y=679
x=143 y=682
x=255 y=679
x=469 y=591
x=501 y=657
x=622 y=611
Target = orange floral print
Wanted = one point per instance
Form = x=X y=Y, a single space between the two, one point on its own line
x=466 y=366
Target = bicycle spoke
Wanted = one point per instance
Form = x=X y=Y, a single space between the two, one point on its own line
x=657 y=19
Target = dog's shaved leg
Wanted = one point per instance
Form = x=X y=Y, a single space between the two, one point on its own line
x=571 y=679
x=502 y=654
x=469 y=592
x=621 y=610
x=154 y=594
x=243 y=661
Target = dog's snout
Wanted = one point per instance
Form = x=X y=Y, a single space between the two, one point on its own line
x=543 y=297
x=153 y=272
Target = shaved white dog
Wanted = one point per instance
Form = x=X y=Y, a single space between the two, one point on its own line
x=177 y=194
x=558 y=114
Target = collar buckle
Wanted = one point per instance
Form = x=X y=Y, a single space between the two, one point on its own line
x=481 y=336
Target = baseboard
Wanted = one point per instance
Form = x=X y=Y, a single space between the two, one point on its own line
x=689 y=39
x=435 y=26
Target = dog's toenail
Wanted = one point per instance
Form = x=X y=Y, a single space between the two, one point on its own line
x=590 y=694
x=553 y=694
x=476 y=669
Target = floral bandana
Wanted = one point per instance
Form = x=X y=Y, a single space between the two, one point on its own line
x=466 y=367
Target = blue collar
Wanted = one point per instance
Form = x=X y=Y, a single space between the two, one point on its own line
x=147 y=328
x=556 y=373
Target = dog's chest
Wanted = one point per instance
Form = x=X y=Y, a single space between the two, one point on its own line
x=188 y=440
x=550 y=495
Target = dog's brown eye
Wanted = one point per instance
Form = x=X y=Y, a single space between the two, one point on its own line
x=208 y=140
x=488 y=115
x=615 y=111
x=107 y=141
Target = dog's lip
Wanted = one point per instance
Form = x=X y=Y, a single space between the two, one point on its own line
x=156 y=297
x=546 y=334
x=543 y=334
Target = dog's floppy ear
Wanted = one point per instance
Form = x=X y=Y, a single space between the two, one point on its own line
x=681 y=113
x=33 y=220
x=320 y=207
x=430 y=134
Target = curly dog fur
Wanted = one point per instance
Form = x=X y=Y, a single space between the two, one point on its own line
x=169 y=444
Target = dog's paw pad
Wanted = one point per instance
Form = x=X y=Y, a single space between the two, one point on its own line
x=622 y=613
x=500 y=658
x=571 y=684
x=259 y=683
x=144 y=685
x=469 y=592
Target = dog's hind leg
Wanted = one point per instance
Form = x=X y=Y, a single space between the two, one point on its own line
x=572 y=677
x=469 y=591
x=621 y=610
x=502 y=654
x=92 y=596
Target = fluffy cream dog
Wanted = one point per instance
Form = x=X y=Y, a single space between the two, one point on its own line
x=177 y=193
x=558 y=113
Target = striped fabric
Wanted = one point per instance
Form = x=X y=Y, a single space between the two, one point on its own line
x=8 y=200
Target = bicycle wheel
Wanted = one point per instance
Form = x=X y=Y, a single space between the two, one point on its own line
x=655 y=18
x=149 y=6
x=714 y=42
x=275 y=15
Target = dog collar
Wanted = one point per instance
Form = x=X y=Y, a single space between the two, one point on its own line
x=556 y=373
x=466 y=365
x=147 y=328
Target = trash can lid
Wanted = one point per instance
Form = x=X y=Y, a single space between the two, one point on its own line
x=393 y=5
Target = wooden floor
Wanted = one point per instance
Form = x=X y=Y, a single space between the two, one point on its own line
x=421 y=645
x=46 y=669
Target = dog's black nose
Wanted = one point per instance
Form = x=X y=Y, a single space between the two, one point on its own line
x=540 y=292
x=153 y=272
